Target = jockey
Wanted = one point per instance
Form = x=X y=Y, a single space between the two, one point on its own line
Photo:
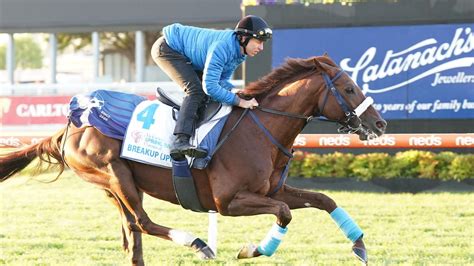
x=202 y=61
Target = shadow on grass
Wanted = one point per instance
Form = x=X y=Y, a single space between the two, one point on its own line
x=349 y=184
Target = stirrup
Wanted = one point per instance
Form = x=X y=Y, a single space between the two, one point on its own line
x=177 y=155
x=195 y=152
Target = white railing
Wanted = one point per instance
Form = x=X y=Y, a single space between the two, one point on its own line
x=35 y=89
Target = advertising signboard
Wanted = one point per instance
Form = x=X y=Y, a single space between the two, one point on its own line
x=412 y=72
x=36 y=110
x=20 y=110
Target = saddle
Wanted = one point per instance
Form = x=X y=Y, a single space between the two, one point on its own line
x=209 y=110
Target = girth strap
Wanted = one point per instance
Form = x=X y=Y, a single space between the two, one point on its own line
x=184 y=187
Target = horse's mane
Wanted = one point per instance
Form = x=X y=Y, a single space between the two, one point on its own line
x=291 y=68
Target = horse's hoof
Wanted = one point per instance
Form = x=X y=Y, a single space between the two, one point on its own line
x=206 y=253
x=203 y=250
x=138 y=262
x=360 y=252
x=247 y=251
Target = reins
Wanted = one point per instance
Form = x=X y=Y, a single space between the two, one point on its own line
x=292 y=115
x=330 y=88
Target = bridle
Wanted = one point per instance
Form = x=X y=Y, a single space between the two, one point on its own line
x=351 y=122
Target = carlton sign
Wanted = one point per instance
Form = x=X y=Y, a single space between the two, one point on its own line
x=23 y=110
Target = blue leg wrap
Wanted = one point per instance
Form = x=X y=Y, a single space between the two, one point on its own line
x=270 y=243
x=346 y=224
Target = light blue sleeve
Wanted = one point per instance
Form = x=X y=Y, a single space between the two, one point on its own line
x=226 y=84
x=216 y=59
x=225 y=79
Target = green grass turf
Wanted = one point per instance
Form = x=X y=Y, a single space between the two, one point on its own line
x=70 y=222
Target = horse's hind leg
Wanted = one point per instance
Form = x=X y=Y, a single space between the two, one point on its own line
x=114 y=201
x=122 y=185
x=96 y=159
x=131 y=240
x=299 y=198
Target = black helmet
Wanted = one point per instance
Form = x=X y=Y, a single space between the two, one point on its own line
x=254 y=27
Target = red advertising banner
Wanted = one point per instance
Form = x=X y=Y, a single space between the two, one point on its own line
x=409 y=141
x=386 y=141
x=37 y=110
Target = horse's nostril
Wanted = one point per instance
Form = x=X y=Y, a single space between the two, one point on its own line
x=381 y=124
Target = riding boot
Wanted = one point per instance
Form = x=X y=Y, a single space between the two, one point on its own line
x=182 y=147
x=185 y=126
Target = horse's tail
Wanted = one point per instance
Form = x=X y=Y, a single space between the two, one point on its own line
x=47 y=150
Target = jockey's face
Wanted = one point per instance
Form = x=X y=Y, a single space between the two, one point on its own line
x=254 y=47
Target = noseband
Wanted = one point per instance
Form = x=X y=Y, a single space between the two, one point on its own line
x=351 y=123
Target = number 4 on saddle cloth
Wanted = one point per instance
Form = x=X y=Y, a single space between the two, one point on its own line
x=145 y=126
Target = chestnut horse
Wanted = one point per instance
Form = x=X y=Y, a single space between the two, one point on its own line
x=246 y=175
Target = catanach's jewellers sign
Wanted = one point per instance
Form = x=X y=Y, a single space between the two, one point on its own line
x=422 y=71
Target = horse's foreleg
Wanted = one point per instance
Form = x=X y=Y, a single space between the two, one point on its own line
x=122 y=185
x=131 y=240
x=299 y=198
x=246 y=203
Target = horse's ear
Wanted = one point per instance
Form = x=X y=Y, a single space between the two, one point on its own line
x=318 y=64
x=326 y=54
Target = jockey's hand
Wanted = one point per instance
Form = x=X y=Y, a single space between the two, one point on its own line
x=252 y=103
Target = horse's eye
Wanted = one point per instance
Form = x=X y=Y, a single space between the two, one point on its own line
x=349 y=89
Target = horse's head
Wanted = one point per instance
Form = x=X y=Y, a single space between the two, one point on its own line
x=295 y=90
x=343 y=101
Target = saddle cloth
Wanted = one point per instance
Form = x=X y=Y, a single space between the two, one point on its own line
x=145 y=126
x=150 y=134
x=107 y=111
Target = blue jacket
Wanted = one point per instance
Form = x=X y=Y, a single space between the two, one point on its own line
x=214 y=52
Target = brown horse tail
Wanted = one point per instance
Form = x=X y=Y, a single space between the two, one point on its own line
x=47 y=150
